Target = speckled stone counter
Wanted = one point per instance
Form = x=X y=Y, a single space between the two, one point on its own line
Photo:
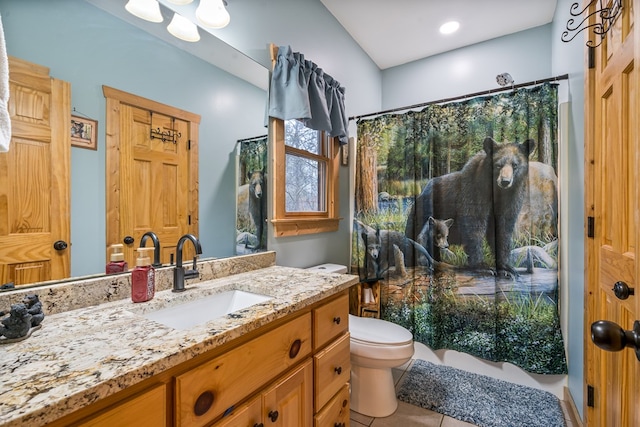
x=83 y=355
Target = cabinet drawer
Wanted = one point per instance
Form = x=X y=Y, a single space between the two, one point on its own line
x=332 y=368
x=330 y=320
x=147 y=409
x=247 y=415
x=205 y=392
x=336 y=412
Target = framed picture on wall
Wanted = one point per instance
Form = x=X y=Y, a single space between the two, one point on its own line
x=84 y=132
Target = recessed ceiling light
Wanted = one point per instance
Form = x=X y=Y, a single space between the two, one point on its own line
x=449 y=27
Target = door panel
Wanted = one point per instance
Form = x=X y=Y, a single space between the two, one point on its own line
x=34 y=199
x=153 y=165
x=612 y=196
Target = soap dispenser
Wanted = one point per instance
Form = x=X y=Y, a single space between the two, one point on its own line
x=117 y=264
x=143 y=277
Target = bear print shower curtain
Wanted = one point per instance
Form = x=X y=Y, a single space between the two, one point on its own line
x=251 y=195
x=457 y=221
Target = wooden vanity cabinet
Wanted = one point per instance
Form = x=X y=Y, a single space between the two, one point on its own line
x=292 y=373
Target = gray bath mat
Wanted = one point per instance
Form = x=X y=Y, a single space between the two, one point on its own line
x=478 y=399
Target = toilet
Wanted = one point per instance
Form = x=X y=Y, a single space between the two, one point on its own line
x=376 y=347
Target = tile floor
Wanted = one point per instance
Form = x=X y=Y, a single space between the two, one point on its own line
x=413 y=416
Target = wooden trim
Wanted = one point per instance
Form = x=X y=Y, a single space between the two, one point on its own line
x=572 y=410
x=147 y=104
x=299 y=226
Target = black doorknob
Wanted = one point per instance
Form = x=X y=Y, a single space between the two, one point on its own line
x=622 y=290
x=611 y=337
x=60 y=245
x=128 y=240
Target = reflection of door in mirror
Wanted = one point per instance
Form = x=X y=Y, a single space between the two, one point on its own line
x=152 y=173
x=34 y=178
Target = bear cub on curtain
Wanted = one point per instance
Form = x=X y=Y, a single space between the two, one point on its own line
x=389 y=248
x=484 y=199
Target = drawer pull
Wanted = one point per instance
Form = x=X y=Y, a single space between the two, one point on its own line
x=203 y=403
x=339 y=425
x=258 y=425
x=336 y=320
x=295 y=349
x=338 y=370
x=273 y=416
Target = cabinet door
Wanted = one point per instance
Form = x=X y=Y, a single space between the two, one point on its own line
x=248 y=415
x=288 y=403
x=148 y=409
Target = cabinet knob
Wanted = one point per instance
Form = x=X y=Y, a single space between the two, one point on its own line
x=339 y=425
x=273 y=416
x=128 y=240
x=203 y=403
x=258 y=425
x=338 y=370
x=336 y=320
x=295 y=349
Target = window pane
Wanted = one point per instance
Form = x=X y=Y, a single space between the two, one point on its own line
x=304 y=188
x=299 y=136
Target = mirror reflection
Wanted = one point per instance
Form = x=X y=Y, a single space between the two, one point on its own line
x=89 y=48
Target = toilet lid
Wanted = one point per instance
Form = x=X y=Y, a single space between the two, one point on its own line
x=377 y=331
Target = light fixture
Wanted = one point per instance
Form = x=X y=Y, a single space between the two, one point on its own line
x=180 y=1
x=212 y=14
x=149 y=10
x=183 y=29
x=449 y=27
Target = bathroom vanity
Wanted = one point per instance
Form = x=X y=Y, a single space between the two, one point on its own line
x=283 y=361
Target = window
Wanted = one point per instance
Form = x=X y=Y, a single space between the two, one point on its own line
x=306 y=166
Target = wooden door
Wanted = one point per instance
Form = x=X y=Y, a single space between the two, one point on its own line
x=613 y=201
x=34 y=178
x=289 y=402
x=152 y=173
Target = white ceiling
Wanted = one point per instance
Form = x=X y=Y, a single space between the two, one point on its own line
x=394 y=32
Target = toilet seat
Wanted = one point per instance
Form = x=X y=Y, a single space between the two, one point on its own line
x=377 y=332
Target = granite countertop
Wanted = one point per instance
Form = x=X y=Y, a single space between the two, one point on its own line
x=84 y=355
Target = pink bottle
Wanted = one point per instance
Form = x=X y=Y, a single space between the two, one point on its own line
x=143 y=277
x=117 y=264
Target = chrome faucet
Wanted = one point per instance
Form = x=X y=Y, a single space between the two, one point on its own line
x=179 y=273
x=156 y=247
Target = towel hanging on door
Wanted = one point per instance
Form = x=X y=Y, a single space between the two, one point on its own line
x=5 y=120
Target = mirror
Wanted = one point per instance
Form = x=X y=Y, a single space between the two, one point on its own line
x=90 y=47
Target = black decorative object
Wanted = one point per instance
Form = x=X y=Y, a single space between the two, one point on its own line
x=22 y=319
x=607 y=15
x=170 y=135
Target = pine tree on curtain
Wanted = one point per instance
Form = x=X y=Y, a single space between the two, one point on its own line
x=456 y=216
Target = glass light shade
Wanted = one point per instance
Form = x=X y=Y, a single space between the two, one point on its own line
x=212 y=14
x=180 y=1
x=183 y=29
x=149 y=10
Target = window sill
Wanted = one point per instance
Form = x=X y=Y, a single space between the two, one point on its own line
x=297 y=227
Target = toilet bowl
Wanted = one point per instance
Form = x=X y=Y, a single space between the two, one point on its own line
x=376 y=347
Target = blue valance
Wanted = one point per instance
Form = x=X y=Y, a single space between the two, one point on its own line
x=302 y=90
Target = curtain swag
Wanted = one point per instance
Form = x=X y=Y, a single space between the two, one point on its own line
x=302 y=90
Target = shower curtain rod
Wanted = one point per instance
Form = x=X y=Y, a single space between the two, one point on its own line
x=471 y=95
x=250 y=139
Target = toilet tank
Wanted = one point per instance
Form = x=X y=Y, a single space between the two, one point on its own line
x=329 y=268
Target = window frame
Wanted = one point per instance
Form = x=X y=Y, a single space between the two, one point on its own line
x=300 y=223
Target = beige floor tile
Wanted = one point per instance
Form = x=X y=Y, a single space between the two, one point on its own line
x=452 y=422
x=409 y=416
x=362 y=419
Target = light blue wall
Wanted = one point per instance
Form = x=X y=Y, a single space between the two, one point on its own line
x=525 y=55
x=569 y=58
x=90 y=48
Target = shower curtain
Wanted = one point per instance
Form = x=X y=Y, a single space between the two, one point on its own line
x=251 y=195
x=456 y=219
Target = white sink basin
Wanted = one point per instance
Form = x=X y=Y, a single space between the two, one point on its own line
x=196 y=312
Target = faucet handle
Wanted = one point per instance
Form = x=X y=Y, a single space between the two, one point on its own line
x=190 y=274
